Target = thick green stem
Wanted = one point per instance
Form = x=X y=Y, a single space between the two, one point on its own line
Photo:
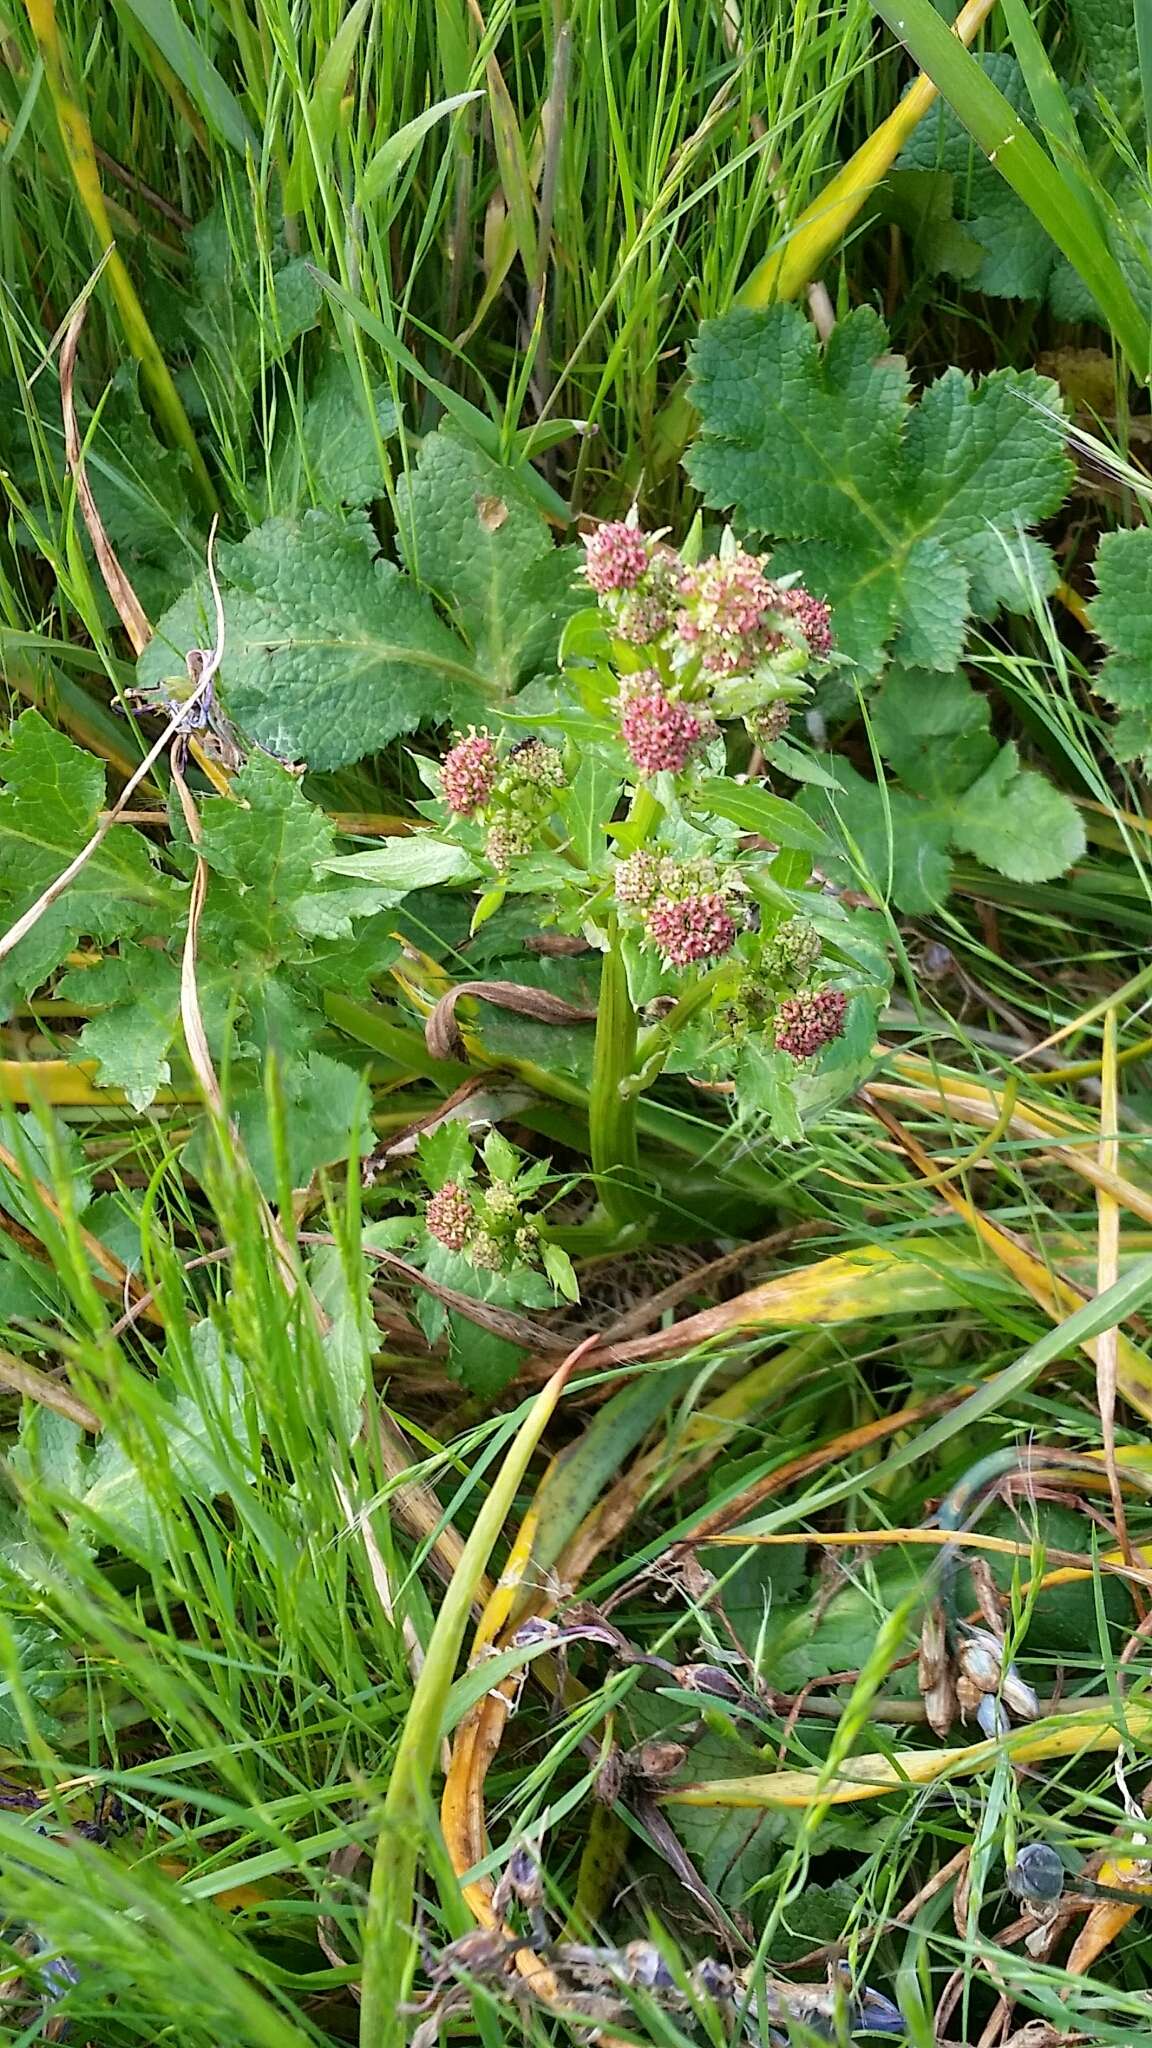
x=611 y=1112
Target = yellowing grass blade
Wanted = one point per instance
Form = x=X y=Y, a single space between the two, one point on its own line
x=388 y=1935
x=872 y=1777
x=823 y=224
x=1055 y=1295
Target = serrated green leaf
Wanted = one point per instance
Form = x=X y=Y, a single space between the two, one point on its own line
x=329 y=651
x=418 y=862
x=933 y=730
x=325 y=1121
x=131 y=1039
x=900 y=843
x=249 y=303
x=893 y=509
x=445 y=1154
x=52 y=795
x=1122 y=616
x=474 y=536
x=560 y=1271
x=326 y=454
x=755 y=809
x=1003 y=250
x=1018 y=822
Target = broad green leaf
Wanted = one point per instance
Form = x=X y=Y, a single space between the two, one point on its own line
x=755 y=809
x=325 y=1121
x=933 y=730
x=329 y=651
x=250 y=301
x=445 y=1153
x=588 y=805
x=474 y=536
x=328 y=454
x=897 y=512
x=1018 y=822
x=130 y=1039
x=51 y=799
x=895 y=843
x=1122 y=616
x=384 y=168
x=558 y=1267
x=1002 y=249
x=419 y=862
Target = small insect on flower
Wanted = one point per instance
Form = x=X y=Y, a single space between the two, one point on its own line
x=806 y=1023
x=448 y=1216
x=659 y=732
x=468 y=772
x=533 y=762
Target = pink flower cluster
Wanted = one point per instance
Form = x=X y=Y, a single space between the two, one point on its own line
x=468 y=772
x=448 y=1216
x=658 y=731
x=689 y=929
x=616 y=556
x=806 y=1023
x=735 y=615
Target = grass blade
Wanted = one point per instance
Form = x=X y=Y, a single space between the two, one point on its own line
x=390 y=159
x=196 y=73
x=1049 y=196
x=388 y=1939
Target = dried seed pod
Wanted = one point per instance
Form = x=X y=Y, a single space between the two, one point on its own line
x=655 y=1760
x=981 y=1658
x=520 y=1881
x=934 y=1671
x=608 y=1782
x=992 y=1717
x=968 y=1696
x=710 y=1678
x=987 y=1596
x=1018 y=1696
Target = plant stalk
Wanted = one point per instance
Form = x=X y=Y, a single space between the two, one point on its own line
x=612 y=1113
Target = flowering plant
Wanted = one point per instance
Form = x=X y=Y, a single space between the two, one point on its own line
x=723 y=958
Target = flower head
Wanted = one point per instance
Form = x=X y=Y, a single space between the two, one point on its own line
x=536 y=764
x=505 y=843
x=658 y=731
x=448 y=1216
x=689 y=929
x=734 y=615
x=792 y=951
x=813 y=617
x=501 y=1202
x=487 y=1252
x=616 y=556
x=637 y=879
x=806 y=1023
x=772 y=723
x=469 y=772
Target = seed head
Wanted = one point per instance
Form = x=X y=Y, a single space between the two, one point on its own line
x=813 y=617
x=690 y=929
x=501 y=1203
x=637 y=878
x=505 y=843
x=658 y=731
x=535 y=763
x=448 y=1216
x=771 y=724
x=616 y=556
x=792 y=951
x=468 y=772
x=806 y=1023
x=487 y=1252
